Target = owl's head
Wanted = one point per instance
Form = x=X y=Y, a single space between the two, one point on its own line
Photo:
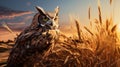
x=45 y=19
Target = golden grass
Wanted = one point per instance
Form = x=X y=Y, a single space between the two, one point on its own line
x=99 y=50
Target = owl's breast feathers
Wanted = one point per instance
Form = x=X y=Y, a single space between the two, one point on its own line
x=29 y=45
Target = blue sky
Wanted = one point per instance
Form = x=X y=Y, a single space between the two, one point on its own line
x=77 y=8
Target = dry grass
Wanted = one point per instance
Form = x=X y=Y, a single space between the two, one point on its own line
x=98 y=50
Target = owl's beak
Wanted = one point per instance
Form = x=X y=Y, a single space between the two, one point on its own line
x=51 y=25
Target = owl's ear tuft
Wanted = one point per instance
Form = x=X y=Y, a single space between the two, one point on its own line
x=40 y=10
x=56 y=14
x=57 y=9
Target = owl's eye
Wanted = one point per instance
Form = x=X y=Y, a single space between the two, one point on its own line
x=45 y=19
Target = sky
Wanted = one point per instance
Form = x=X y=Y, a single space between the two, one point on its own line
x=19 y=13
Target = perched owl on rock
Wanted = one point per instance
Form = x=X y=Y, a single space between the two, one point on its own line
x=34 y=40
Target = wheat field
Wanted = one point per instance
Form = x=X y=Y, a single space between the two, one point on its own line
x=98 y=47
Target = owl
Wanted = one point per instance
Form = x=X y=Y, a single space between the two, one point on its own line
x=35 y=39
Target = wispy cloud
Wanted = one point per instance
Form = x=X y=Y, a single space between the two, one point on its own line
x=16 y=20
x=7 y=13
x=28 y=3
x=18 y=25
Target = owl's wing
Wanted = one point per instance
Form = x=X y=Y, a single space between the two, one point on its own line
x=27 y=44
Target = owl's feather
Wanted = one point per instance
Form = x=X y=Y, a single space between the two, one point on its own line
x=31 y=44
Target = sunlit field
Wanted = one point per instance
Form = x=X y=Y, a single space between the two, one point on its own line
x=94 y=45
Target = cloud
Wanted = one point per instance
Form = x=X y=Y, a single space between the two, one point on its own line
x=15 y=26
x=7 y=13
x=18 y=25
x=28 y=18
x=28 y=3
x=20 y=20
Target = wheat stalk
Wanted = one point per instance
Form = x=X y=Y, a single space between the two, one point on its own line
x=111 y=2
x=78 y=29
x=99 y=11
x=8 y=28
x=89 y=13
x=107 y=25
x=114 y=28
x=88 y=30
x=96 y=21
